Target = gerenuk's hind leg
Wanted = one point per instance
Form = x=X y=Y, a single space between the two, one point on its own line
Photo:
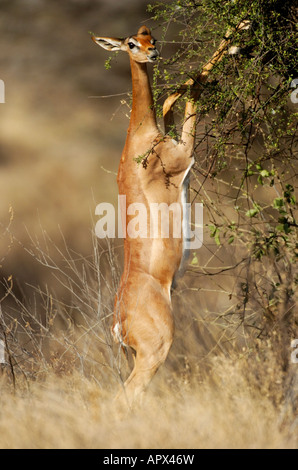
x=151 y=337
x=146 y=364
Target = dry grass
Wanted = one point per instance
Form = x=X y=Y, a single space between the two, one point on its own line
x=72 y=411
x=62 y=372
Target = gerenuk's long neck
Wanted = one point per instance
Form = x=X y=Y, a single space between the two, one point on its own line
x=142 y=114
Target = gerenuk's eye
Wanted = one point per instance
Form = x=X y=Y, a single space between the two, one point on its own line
x=131 y=45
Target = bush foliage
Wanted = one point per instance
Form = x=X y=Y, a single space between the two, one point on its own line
x=246 y=149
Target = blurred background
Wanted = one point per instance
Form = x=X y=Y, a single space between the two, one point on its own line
x=60 y=141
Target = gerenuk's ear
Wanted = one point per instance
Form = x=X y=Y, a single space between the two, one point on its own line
x=110 y=44
x=144 y=30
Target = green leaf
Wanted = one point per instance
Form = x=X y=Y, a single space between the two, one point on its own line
x=278 y=202
x=264 y=173
x=254 y=211
x=194 y=260
x=215 y=234
x=251 y=213
x=108 y=63
x=216 y=238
